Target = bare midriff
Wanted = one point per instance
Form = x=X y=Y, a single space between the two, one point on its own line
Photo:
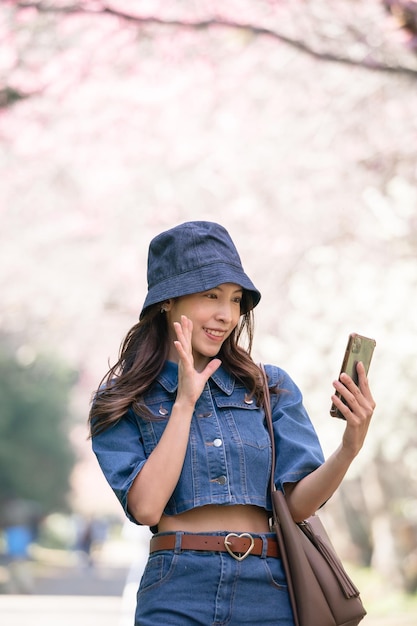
x=212 y=518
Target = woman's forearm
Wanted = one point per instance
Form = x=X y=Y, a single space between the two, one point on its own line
x=156 y=481
x=306 y=496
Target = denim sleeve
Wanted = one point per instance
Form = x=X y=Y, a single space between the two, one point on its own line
x=119 y=451
x=298 y=449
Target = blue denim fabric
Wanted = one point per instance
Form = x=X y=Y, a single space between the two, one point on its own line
x=212 y=589
x=228 y=460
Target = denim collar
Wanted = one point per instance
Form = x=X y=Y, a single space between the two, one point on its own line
x=168 y=378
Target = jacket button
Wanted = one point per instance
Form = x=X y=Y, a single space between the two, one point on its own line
x=222 y=480
x=217 y=443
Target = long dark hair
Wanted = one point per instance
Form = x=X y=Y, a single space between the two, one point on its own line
x=143 y=354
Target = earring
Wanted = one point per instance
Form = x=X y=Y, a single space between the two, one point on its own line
x=164 y=308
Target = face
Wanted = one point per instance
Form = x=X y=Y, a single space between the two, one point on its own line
x=214 y=314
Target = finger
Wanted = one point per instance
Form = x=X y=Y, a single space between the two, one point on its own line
x=356 y=402
x=347 y=401
x=346 y=387
x=355 y=417
x=187 y=327
x=211 y=367
x=347 y=382
x=343 y=408
x=363 y=382
x=183 y=330
x=360 y=392
x=357 y=405
x=180 y=328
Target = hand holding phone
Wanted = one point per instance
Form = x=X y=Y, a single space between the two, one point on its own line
x=358 y=348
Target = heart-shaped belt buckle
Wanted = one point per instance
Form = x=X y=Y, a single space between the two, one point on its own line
x=228 y=543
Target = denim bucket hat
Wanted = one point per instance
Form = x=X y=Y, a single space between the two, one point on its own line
x=194 y=257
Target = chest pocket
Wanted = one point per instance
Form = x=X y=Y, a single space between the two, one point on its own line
x=244 y=419
x=160 y=405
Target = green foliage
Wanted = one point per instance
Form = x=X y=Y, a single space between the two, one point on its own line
x=35 y=453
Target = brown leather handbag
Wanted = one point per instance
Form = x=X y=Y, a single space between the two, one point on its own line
x=321 y=592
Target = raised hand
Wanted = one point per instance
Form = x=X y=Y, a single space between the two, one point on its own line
x=358 y=410
x=190 y=381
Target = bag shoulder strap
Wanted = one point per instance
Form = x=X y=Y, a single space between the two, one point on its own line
x=268 y=417
x=275 y=518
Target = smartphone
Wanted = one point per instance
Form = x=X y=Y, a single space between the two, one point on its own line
x=358 y=348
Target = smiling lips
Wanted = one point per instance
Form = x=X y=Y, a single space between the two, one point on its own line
x=216 y=334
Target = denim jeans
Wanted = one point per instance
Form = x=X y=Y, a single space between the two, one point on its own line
x=191 y=588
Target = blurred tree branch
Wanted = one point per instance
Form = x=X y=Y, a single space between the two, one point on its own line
x=366 y=59
x=9 y=96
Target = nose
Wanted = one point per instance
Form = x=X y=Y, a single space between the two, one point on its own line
x=224 y=312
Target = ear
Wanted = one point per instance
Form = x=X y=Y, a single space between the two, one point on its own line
x=166 y=306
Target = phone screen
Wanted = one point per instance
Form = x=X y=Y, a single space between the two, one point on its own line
x=359 y=348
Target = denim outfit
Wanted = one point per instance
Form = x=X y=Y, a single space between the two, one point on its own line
x=228 y=461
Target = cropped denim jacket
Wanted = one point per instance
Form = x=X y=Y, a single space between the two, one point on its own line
x=228 y=459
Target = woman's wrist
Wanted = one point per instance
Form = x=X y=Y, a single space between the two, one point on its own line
x=345 y=455
x=184 y=406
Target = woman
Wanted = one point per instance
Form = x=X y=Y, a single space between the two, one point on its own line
x=178 y=429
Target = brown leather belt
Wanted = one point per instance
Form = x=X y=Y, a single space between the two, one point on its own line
x=238 y=546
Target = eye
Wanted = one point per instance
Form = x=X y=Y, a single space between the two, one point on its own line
x=238 y=299
x=211 y=295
